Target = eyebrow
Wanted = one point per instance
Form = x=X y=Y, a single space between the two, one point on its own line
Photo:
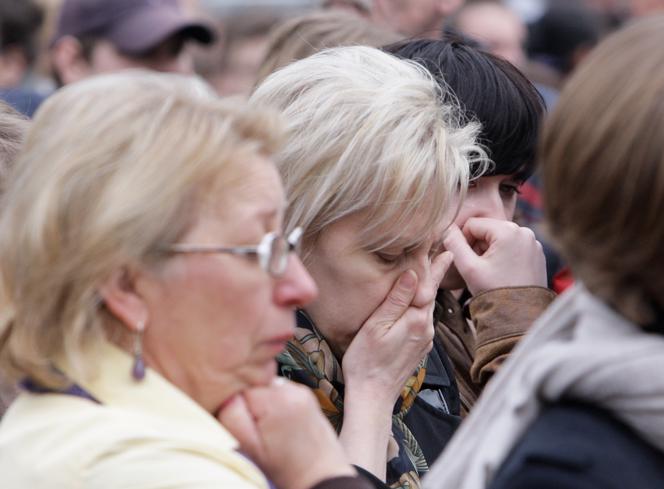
x=401 y=245
x=268 y=213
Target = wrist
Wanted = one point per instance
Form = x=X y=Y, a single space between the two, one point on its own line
x=323 y=471
x=370 y=397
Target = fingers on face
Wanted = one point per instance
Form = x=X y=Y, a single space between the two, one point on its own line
x=238 y=418
x=398 y=300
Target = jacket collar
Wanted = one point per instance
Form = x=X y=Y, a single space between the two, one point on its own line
x=153 y=397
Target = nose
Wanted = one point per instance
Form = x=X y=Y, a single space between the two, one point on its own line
x=295 y=288
x=489 y=203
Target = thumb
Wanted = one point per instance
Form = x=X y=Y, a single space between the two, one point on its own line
x=398 y=300
x=238 y=420
x=456 y=242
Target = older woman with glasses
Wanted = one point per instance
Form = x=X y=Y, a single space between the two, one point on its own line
x=141 y=318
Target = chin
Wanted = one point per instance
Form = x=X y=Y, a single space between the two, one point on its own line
x=265 y=374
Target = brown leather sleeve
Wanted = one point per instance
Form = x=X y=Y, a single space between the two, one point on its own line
x=501 y=317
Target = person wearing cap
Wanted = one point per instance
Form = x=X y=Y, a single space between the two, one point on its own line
x=102 y=36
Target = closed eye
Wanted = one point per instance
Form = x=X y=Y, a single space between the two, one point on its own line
x=389 y=259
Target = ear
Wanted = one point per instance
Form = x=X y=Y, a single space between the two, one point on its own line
x=68 y=60
x=123 y=301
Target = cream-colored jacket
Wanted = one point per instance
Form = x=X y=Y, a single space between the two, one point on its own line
x=141 y=435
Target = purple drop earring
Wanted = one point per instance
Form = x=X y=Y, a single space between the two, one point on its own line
x=138 y=369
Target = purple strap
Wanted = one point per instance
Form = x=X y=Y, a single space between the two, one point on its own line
x=72 y=390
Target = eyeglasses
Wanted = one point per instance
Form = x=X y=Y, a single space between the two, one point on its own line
x=272 y=252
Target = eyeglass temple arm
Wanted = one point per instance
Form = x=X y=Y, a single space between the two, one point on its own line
x=240 y=250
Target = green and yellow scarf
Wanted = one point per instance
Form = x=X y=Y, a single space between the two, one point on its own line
x=309 y=360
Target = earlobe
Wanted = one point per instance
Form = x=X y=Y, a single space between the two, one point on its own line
x=119 y=295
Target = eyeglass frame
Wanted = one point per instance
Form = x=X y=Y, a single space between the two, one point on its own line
x=262 y=251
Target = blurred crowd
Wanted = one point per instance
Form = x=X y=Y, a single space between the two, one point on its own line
x=234 y=45
x=232 y=42
x=442 y=217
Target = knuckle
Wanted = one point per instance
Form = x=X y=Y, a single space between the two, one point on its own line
x=422 y=324
x=300 y=397
x=527 y=232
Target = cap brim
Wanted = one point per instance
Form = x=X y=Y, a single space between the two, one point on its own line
x=148 y=28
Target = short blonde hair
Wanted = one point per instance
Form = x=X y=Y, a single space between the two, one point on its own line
x=112 y=169
x=602 y=155
x=367 y=132
x=302 y=36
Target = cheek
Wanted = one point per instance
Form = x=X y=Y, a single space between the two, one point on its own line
x=348 y=294
x=510 y=208
x=217 y=319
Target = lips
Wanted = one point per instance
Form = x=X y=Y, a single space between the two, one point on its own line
x=278 y=343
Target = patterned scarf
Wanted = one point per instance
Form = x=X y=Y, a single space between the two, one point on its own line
x=309 y=360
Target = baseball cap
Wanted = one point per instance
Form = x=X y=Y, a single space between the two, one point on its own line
x=132 y=26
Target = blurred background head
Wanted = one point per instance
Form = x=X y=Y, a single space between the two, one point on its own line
x=564 y=35
x=100 y=36
x=413 y=18
x=307 y=34
x=496 y=27
x=230 y=66
x=20 y=21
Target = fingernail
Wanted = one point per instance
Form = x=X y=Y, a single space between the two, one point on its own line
x=408 y=280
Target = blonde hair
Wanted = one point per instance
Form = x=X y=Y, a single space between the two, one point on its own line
x=603 y=169
x=308 y=34
x=13 y=127
x=112 y=169
x=367 y=132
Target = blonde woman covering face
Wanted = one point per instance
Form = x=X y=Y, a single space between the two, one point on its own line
x=374 y=166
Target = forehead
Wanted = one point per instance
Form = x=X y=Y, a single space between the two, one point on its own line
x=251 y=187
x=406 y=231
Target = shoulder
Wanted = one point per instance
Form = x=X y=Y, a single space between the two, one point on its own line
x=575 y=445
x=83 y=444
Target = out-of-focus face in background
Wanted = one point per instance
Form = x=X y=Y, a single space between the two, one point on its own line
x=233 y=62
x=497 y=28
x=640 y=8
x=415 y=18
x=170 y=56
